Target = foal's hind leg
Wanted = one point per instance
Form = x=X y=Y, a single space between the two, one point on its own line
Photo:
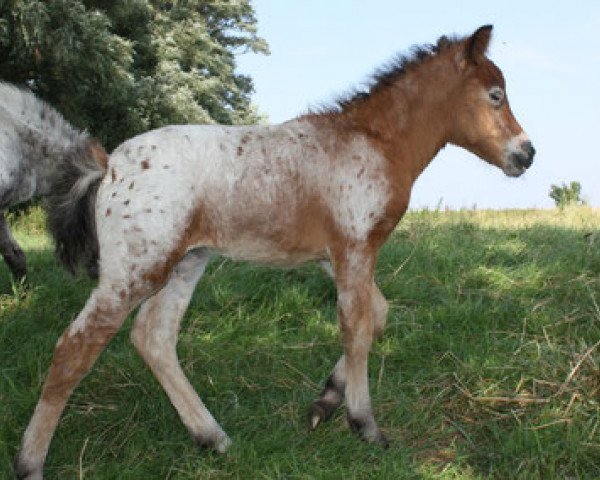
x=75 y=353
x=154 y=335
x=10 y=250
x=332 y=395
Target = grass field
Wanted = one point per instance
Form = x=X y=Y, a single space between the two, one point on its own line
x=489 y=367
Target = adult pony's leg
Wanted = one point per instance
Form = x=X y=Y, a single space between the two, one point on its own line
x=10 y=250
x=75 y=353
x=356 y=314
x=332 y=395
x=154 y=335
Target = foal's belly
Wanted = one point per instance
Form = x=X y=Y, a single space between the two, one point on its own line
x=286 y=233
x=260 y=251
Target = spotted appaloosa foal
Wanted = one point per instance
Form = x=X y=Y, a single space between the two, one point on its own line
x=36 y=143
x=327 y=186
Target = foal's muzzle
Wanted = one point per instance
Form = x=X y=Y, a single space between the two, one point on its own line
x=524 y=158
x=520 y=159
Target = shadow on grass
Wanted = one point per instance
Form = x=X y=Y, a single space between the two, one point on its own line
x=469 y=381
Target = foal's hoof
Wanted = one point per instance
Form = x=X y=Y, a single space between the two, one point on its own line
x=369 y=432
x=24 y=471
x=219 y=443
x=320 y=411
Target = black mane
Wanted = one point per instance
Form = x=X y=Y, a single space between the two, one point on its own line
x=389 y=73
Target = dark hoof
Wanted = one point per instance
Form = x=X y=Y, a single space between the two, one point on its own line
x=320 y=411
x=330 y=399
x=20 y=276
x=17 y=263
x=219 y=443
x=24 y=471
x=369 y=432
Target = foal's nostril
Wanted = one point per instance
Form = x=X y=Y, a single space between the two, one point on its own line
x=524 y=158
x=527 y=147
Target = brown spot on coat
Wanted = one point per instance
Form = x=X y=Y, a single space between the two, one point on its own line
x=145 y=164
x=108 y=212
x=240 y=150
x=113 y=174
x=131 y=186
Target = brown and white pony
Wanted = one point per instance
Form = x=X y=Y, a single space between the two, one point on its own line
x=328 y=186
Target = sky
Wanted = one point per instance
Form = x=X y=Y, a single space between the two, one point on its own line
x=549 y=53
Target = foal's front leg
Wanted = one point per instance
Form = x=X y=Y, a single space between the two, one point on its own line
x=360 y=319
x=332 y=395
x=10 y=250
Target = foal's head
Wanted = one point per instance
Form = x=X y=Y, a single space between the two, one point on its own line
x=483 y=121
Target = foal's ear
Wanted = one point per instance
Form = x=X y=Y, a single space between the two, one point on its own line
x=477 y=44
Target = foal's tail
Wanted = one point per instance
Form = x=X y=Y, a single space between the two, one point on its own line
x=71 y=206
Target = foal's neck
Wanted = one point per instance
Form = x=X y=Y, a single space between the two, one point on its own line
x=408 y=120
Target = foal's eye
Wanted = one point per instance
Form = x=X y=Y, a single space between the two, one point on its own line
x=496 y=96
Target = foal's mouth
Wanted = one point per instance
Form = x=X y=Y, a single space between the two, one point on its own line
x=513 y=169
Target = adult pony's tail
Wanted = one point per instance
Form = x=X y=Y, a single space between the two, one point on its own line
x=71 y=203
x=68 y=167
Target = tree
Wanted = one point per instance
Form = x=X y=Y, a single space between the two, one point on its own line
x=121 y=67
x=566 y=195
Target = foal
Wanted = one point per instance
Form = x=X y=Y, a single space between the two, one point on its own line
x=328 y=186
x=35 y=141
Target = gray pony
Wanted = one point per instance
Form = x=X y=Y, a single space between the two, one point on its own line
x=38 y=149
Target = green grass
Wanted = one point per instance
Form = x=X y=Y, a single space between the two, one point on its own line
x=488 y=367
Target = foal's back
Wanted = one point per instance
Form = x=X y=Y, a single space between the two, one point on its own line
x=276 y=194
